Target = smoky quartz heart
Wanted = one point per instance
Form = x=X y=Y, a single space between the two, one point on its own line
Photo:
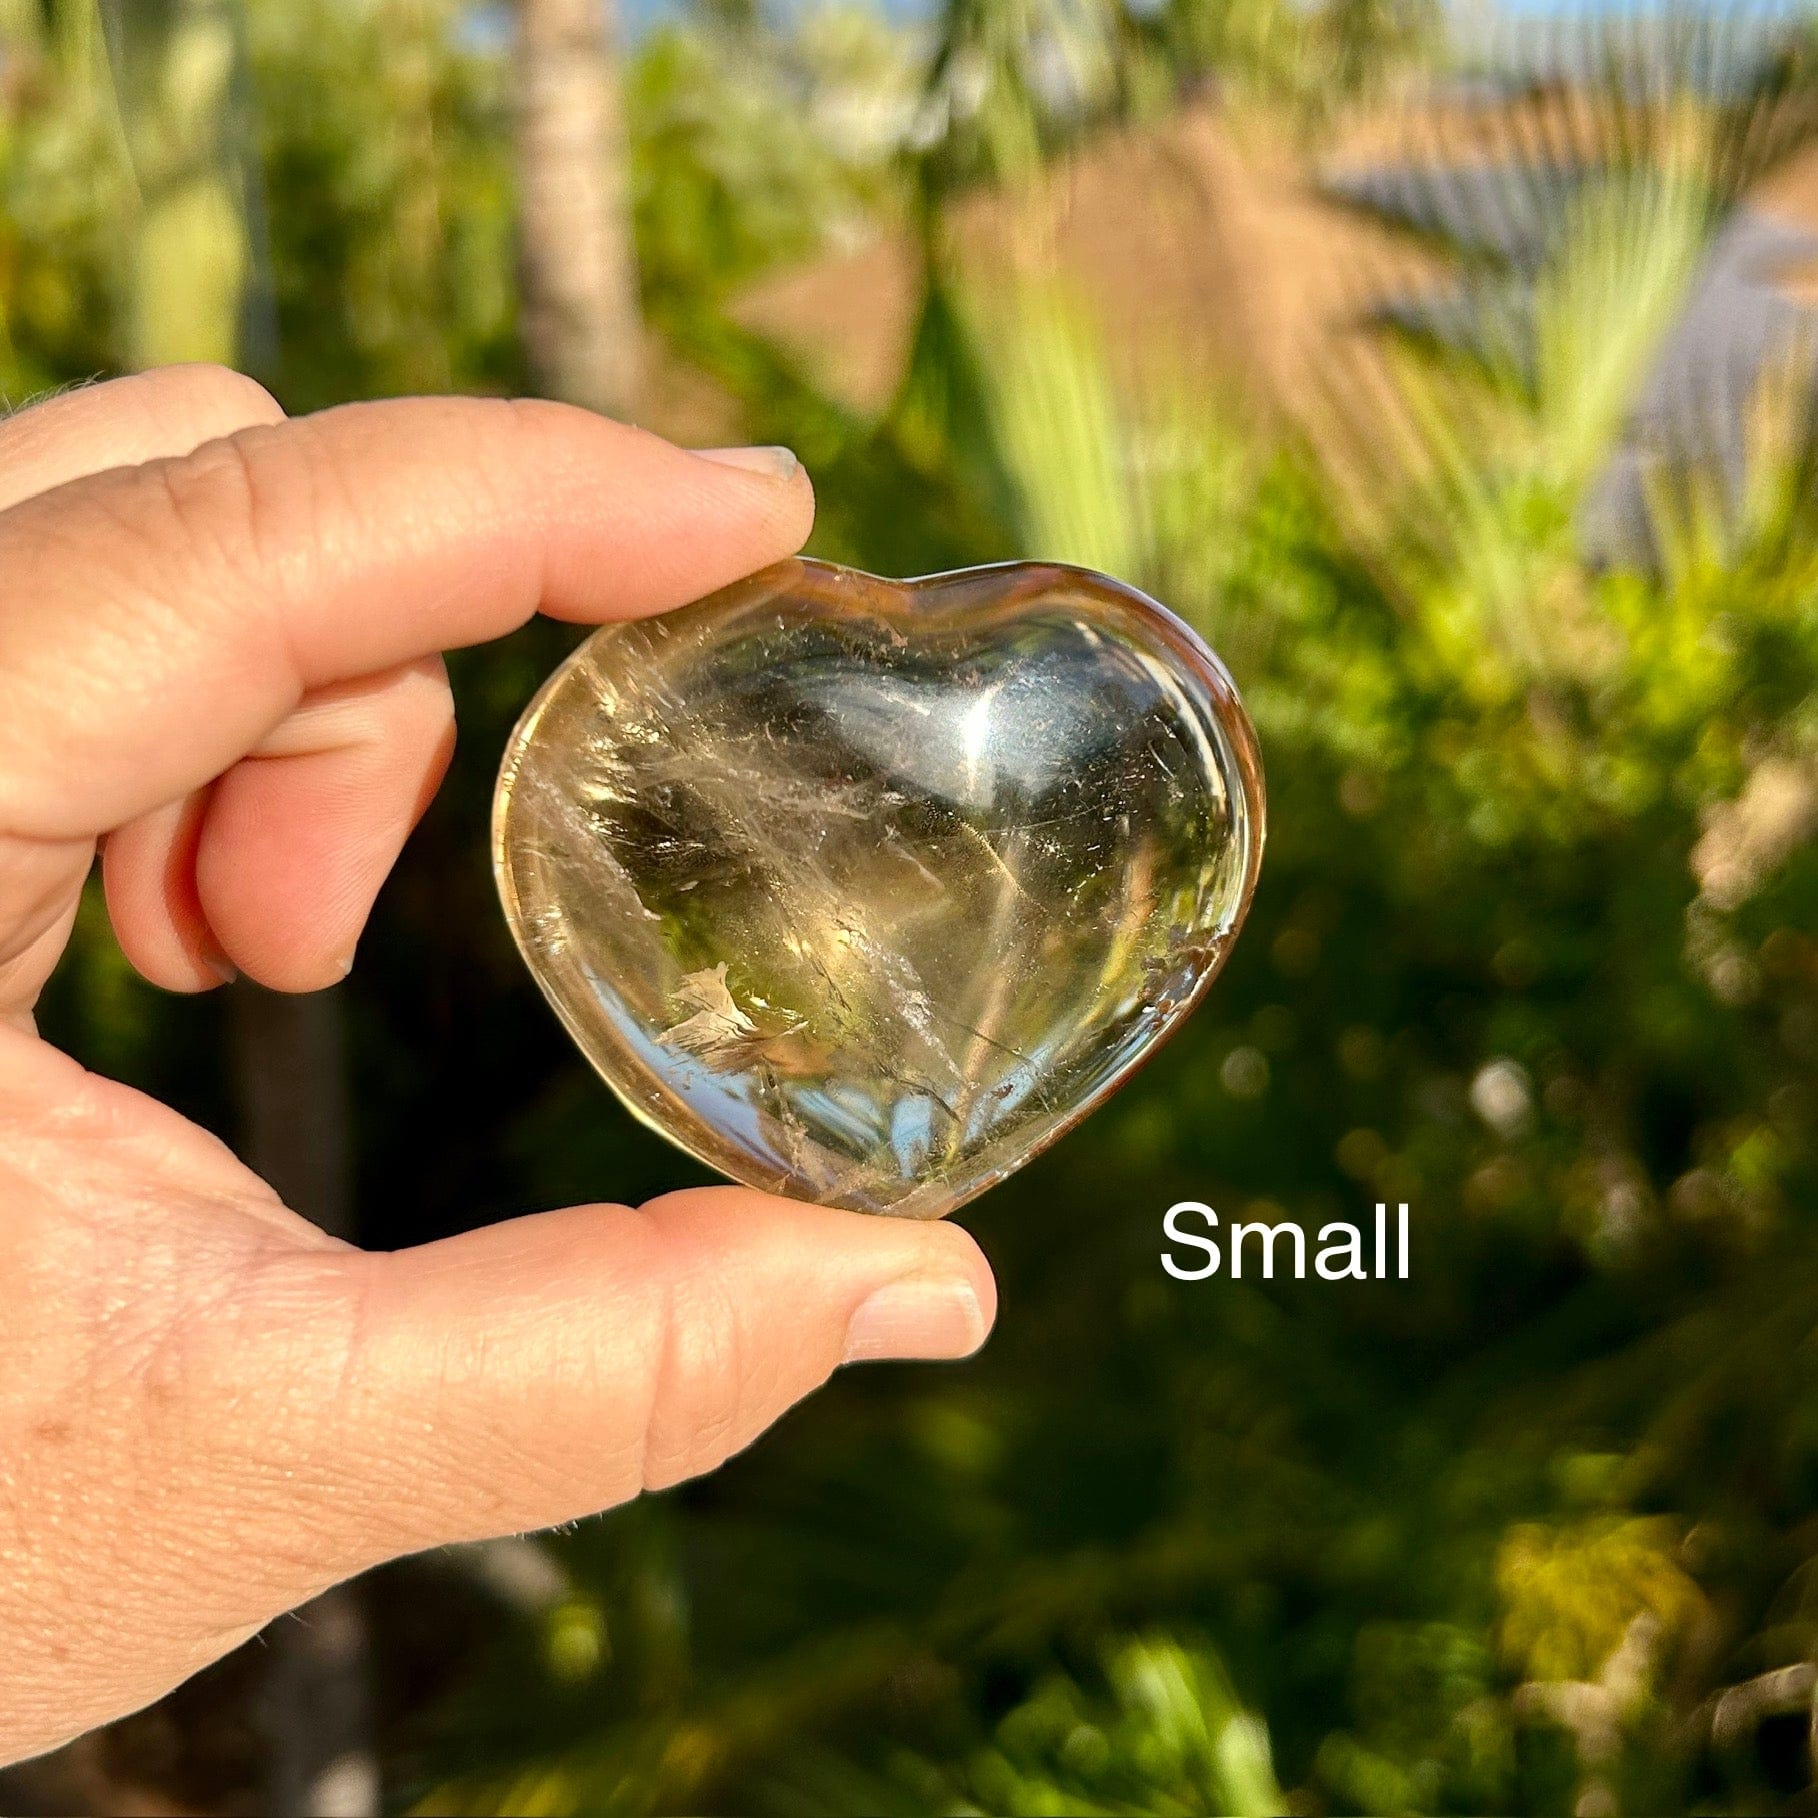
x=866 y=891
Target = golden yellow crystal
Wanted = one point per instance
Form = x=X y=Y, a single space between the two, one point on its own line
x=866 y=891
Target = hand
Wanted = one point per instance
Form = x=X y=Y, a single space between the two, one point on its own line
x=220 y=638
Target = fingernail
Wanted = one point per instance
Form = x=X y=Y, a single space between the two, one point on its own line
x=217 y=962
x=773 y=463
x=925 y=1316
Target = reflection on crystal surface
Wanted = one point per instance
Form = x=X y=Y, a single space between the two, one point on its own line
x=865 y=891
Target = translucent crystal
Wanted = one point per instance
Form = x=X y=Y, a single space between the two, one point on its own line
x=865 y=891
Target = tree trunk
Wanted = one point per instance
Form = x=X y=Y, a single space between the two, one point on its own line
x=578 y=266
x=177 y=71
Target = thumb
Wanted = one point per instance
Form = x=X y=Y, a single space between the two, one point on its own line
x=537 y=1371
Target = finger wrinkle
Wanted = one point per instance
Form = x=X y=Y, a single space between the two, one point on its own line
x=413 y=698
x=22 y=977
x=697 y=1395
x=660 y=1365
x=40 y=880
x=696 y=1387
x=222 y=500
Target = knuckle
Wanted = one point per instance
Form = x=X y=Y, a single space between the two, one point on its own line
x=700 y=1387
x=256 y=499
x=212 y=499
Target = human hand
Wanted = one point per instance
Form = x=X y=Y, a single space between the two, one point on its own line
x=220 y=639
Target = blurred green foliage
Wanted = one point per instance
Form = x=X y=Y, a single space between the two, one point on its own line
x=753 y=149
x=1535 y=951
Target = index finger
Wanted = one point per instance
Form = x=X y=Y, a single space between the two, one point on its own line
x=156 y=622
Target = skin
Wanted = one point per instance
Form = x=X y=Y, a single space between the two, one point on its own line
x=220 y=667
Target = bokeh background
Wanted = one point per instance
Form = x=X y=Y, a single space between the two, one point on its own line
x=1451 y=372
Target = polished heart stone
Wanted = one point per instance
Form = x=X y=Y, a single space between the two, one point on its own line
x=865 y=891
